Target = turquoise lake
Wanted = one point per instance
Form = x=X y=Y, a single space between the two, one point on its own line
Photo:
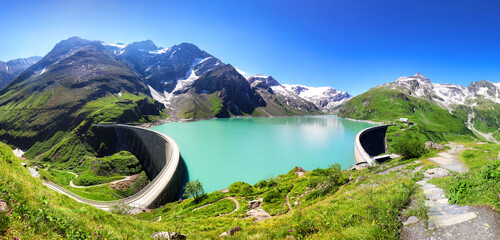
x=220 y=152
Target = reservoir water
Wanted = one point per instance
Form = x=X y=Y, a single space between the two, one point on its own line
x=220 y=152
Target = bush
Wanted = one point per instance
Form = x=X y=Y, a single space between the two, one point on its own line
x=241 y=188
x=409 y=147
x=272 y=196
x=270 y=182
x=492 y=171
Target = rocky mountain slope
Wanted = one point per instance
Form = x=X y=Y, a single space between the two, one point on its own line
x=326 y=98
x=80 y=82
x=477 y=106
x=9 y=70
x=194 y=84
x=56 y=93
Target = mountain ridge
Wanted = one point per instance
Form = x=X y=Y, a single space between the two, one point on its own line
x=11 y=69
x=476 y=105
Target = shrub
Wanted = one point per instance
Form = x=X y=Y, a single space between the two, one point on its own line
x=492 y=171
x=241 y=188
x=409 y=147
x=272 y=196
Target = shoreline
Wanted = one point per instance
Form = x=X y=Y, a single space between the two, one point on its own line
x=170 y=120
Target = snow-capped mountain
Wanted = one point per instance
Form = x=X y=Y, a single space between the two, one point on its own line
x=448 y=95
x=478 y=104
x=275 y=93
x=9 y=70
x=174 y=74
x=326 y=98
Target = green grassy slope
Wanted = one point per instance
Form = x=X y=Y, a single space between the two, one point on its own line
x=479 y=186
x=328 y=207
x=388 y=105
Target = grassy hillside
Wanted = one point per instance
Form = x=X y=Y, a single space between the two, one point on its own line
x=479 y=186
x=328 y=206
x=36 y=212
x=71 y=150
x=388 y=105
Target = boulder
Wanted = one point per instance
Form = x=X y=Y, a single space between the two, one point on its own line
x=169 y=236
x=436 y=173
x=411 y=220
x=254 y=204
x=3 y=206
x=300 y=171
x=433 y=145
x=231 y=232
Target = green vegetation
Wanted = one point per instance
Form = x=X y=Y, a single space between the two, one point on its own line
x=409 y=146
x=99 y=193
x=432 y=123
x=59 y=177
x=90 y=178
x=328 y=206
x=216 y=104
x=194 y=189
x=382 y=104
x=481 y=185
x=36 y=212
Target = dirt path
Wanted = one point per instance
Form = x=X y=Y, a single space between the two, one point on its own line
x=449 y=159
x=288 y=200
x=450 y=221
x=127 y=178
x=222 y=214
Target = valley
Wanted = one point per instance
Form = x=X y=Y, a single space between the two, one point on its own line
x=273 y=161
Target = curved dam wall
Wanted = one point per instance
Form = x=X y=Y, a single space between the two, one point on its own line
x=370 y=142
x=160 y=157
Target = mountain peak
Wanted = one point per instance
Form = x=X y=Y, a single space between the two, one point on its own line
x=147 y=45
x=267 y=79
x=72 y=42
x=417 y=77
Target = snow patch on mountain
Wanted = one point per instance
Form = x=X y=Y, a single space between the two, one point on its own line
x=118 y=45
x=242 y=73
x=159 y=51
x=324 y=97
x=43 y=70
x=447 y=95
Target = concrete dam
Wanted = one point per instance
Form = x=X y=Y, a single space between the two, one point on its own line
x=369 y=142
x=160 y=158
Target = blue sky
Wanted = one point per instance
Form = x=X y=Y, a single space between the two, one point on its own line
x=351 y=45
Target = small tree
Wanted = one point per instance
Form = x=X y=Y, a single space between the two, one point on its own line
x=193 y=189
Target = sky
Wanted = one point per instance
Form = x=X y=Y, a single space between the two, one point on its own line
x=351 y=45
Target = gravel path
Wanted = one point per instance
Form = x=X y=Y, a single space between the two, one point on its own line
x=447 y=221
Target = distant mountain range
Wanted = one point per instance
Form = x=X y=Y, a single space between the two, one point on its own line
x=49 y=104
x=142 y=82
x=9 y=70
x=189 y=81
x=476 y=106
